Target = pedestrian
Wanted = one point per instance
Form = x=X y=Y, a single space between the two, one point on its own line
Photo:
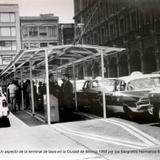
x=67 y=91
x=28 y=95
x=54 y=88
x=18 y=94
x=12 y=89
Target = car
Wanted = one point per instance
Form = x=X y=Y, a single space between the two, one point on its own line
x=4 y=110
x=127 y=94
x=131 y=92
x=154 y=109
x=90 y=95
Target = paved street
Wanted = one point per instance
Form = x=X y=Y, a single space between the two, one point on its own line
x=111 y=138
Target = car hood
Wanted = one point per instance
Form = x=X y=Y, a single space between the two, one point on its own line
x=135 y=94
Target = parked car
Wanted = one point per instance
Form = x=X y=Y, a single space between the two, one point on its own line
x=128 y=94
x=154 y=109
x=131 y=93
x=4 y=110
x=89 y=96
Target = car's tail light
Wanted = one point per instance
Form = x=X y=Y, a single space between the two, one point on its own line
x=4 y=103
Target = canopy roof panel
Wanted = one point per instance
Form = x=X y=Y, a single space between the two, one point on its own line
x=69 y=53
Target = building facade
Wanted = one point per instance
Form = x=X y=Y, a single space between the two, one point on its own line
x=10 y=43
x=132 y=24
x=40 y=31
x=66 y=33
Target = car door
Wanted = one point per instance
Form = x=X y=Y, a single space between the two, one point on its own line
x=114 y=100
x=94 y=92
x=82 y=95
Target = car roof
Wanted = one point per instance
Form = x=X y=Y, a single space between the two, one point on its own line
x=91 y=80
x=130 y=78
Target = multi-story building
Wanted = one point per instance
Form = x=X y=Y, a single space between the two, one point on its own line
x=66 y=33
x=40 y=31
x=9 y=33
x=132 y=24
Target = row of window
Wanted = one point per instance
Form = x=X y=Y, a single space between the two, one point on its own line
x=8 y=45
x=37 y=45
x=43 y=31
x=7 y=17
x=8 y=31
x=5 y=60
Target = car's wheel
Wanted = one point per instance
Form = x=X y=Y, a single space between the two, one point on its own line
x=129 y=113
x=4 y=122
x=156 y=113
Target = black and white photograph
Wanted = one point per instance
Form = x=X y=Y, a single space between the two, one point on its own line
x=79 y=79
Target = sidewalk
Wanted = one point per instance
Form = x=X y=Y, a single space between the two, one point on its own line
x=27 y=118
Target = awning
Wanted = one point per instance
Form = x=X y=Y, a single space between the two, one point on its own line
x=69 y=53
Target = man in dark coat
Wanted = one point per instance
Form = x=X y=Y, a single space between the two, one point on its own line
x=54 y=88
x=67 y=89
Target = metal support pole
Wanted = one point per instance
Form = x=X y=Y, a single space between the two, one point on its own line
x=75 y=90
x=47 y=88
x=22 y=96
x=31 y=85
x=57 y=75
x=84 y=71
x=14 y=72
x=103 y=93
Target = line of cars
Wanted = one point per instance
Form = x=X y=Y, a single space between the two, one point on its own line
x=135 y=95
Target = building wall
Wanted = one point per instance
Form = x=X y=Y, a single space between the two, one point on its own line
x=66 y=33
x=40 y=31
x=134 y=25
x=10 y=43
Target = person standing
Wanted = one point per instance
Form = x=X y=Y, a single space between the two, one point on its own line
x=12 y=89
x=67 y=91
x=54 y=88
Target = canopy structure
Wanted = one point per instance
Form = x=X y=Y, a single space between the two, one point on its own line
x=53 y=58
x=71 y=53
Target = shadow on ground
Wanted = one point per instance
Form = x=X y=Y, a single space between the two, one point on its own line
x=27 y=118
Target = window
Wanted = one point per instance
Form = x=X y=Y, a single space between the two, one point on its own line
x=34 y=45
x=95 y=84
x=33 y=31
x=25 y=31
x=25 y=46
x=43 y=44
x=5 y=17
x=6 y=59
x=43 y=31
x=111 y=31
x=86 y=85
x=12 y=17
x=122 y=26
x=13 y=31
x=53 y=43
x=52 y=31
x=7 y=31
x=8 y=45
x=133 y=19
x=14 y=45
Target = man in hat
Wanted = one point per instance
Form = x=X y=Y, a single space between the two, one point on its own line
x=67 y=89
x=54 y=88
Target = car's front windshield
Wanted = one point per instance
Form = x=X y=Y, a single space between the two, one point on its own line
x=144 y=83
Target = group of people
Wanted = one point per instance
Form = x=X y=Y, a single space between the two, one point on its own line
x=62 y=93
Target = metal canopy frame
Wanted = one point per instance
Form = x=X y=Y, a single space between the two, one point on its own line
x=26 y=60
